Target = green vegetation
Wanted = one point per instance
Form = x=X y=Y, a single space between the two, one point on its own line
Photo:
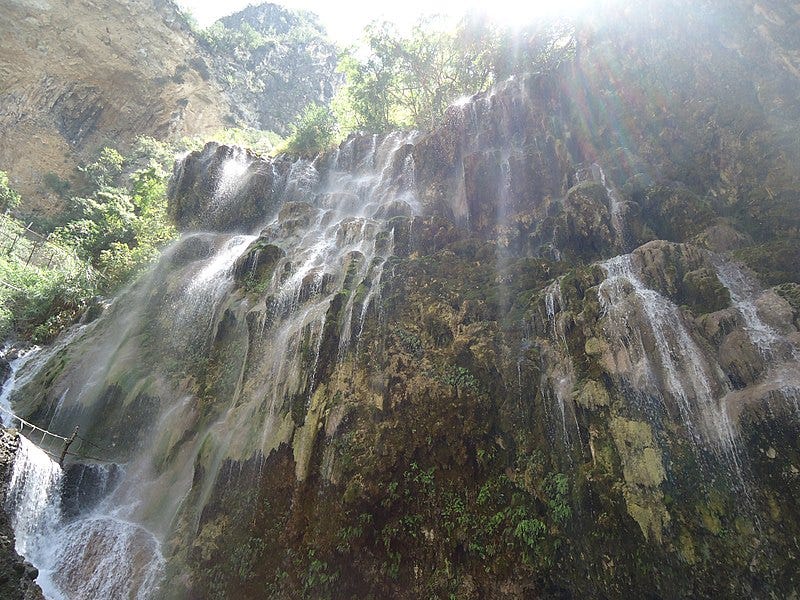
x=264 y=143
x=396 y=81
x=113 y=229
x=121 y=223
x=391 y=80
x=39 y=302
x=408 y=81
x=9 y=199
x=313 y=132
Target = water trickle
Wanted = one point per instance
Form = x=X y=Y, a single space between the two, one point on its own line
x=558 y=376
x=743 y=291
x=11 y=381
x=230 y=178
x=213 y=280
x=552 y=294
x=678 y=367
x=614 y=204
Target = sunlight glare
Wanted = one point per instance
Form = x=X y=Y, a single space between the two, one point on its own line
x=345 y=20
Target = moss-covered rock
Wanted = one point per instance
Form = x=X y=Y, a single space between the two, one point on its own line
x=643 y=469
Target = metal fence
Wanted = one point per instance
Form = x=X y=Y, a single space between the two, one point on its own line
x=33 y=249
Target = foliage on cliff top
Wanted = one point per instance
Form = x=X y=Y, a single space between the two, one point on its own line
x=117 y=224
x=273 y=62
x=396 y=81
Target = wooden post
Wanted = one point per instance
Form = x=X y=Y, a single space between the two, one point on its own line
x=66 y=446
x=11 y=247
x=30 y=256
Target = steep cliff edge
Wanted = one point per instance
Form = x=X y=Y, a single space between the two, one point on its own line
x=517 y=356
x=286 y=63
x=77 y=75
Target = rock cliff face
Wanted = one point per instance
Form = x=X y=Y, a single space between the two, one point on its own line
x=286 y=64
x=549 y=349
x=77 y=75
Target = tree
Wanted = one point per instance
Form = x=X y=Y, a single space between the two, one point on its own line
x=8 y=197
x=313 y=131
x=104 y=171
x=399 y=82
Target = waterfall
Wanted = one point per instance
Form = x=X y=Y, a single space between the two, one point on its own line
x=782 y=358
x=230 y=179
x=614 y=204
x=742 y=290
x=11 y=381
x=130 y=385
x=678 y=370
x=558 y=374
x=109 y=556
x=34 y=499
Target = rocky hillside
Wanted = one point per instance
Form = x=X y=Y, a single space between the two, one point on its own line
x=549 y=349
x=273 y=62
x=75 y=76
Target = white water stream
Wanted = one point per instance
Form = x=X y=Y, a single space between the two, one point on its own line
x=558 y=374
x=743 y=292
x=332 y=230
x=637 y=318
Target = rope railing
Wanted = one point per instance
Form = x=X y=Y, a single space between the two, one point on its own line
x=29 y=425
x=67 y=440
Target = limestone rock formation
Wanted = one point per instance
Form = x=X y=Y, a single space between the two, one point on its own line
x=548 y=349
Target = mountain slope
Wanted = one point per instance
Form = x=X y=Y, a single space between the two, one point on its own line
x=273 y=62
x=75 y=76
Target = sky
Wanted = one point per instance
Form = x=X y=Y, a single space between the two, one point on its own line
x=345 y=19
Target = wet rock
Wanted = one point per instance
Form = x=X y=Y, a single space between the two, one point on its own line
x=256 y=266
x=644 y=472
x=740 y=359
x=776 y=312
x=17 y=576
x=593 y=395
x=722 y=237
x=584 y=231
x=683 y=274
x=5 y=370
x=398 y=208
x=224 y=188
x=675 y=213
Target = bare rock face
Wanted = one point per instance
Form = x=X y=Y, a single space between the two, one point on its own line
x=76 y=76
x=292 y=65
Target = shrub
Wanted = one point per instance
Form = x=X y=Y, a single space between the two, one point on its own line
x=312 y=132
x=9 y=199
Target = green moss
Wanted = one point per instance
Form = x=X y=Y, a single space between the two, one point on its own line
x=703 y=290
x=593 y=395
x=775 y=262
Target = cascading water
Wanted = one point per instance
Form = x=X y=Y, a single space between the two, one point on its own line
x=781 y=356
x=558 y=374
x=131 y=385
x=743 y=291
x=10 y=383
x=614 y=204
x=34 y=499
x=636 y=318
